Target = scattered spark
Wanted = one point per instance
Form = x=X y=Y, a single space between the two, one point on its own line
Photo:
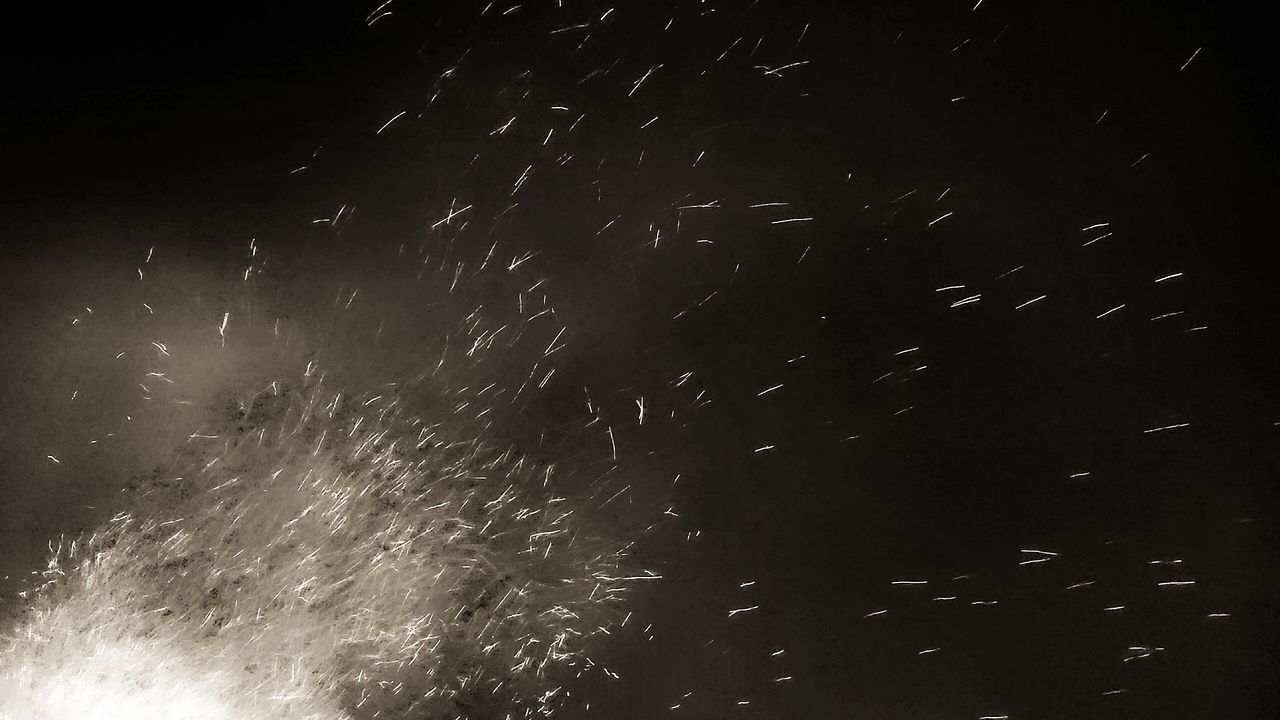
x=388 y=123
x=642 y=78
x=389 y=554
x=1188 y=62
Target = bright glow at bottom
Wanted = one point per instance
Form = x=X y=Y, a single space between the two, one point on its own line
x=114 y=683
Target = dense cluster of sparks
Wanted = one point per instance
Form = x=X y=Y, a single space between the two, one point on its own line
x=339 y=555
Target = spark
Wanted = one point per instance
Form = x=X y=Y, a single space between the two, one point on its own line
x=1162 y=428
x=1031 y=301
x=388 y=123
x=503 y=128
x=777 y=71
x=448 y=218
x=521 y=180
x=1108 y=312
x=1188 y=62
x=644 y=77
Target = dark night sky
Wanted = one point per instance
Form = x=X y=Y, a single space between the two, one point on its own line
x=177 y=128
